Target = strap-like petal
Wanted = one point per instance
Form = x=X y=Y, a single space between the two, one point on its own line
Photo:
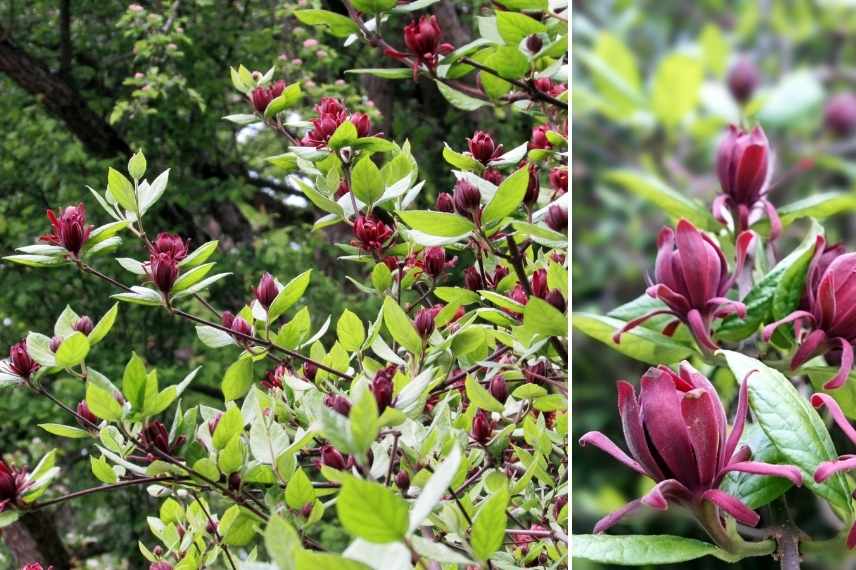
x=829 y=468
x=606 y=445
x=768 y=331
x=732 y=506
x=789 y=472
x=616 y=337
x=818 y=400
x=844 y=369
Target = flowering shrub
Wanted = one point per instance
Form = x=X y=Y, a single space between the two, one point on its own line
x=732 y=316
x=434 y=433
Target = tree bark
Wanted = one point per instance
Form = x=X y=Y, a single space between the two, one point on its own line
x=34 y=538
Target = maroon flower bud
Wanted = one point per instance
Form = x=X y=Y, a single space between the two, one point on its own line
x=310 y=369
x=499 y=274
x=424 y=322
x=691 y=277
x=235 y=481
x=519 y=294
x=160 y=566
x=539 y=137
x=330 y=106
x=435 y=261
x=499 y=389
x=213 y=423
x=473 y=279
x=535 y=373
x=483 y=148
x=163 y=271
x=331 y=457
x=84 y=412
x=839 y=116
x=363 y=124
x=559 y=505
x=539 y=283
x=677 y=434
x=171 y=244
x=228 y=318
x=331 y=114
x=20 y=363
x=391 y=262
x=534 y=43
x=444 y=203
x=482 y=427
x=557 y=218
x=493 y=176
x=743 y=79
x=556 y=299
x=382 y=387
x=559 y=180
x=371 y=233
x=56 y=342
x=339 y=403
x=402 y=480
x=422 y=38
x=13 y=483
x=342 y=189
x=241 y=326
x=262 y=96
x=156 y=437
x=69 y=230
x=273 y=378
x=467 y=198
x=157 y=550
x=266 y=291
x=306 y=511
x=83 y=325
x=211 y=527
x=533 y=190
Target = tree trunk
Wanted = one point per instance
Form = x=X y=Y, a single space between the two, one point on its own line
x=34 y=538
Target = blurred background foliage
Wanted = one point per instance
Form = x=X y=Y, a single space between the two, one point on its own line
x=82 y=84
x=650 y=92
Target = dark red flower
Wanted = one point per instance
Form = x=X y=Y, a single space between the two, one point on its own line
x=363 y=124
x=422 y=37
x=84 y=412
x=538 y=283
x=237 y=324
x=155 y=437
x=382 y=387
x=493 y=176
x=535 y=373
x=424 y=322
x=371 y=233
x=522 y=540
x=483 y=148
x=160 y=566
x=839 y=115
x=331 y=114
x=13 y=483
x=339 y=403
x=69 y=230
x=35 y=566
x=519 y=294
x=499 y=388
x=482 y=427
x=310 y=369
x=743 y=79
x=20 y=363
x=83 y=325
x=677 y=434
x=473 y=279
x=555 y=298
x=273 y=378
x=467 y=198
x=534 y=43
x=691 y=277
x=163 y=270
x=743 y=167
x=402 y=480
x=331 y=457
x=533 y=190
x=559 y=180
x=171 y=244
x=826 y=318
x=557 y=218
x=539 y=137
x=444 y=203
x=266 y=291
x=435 y=261
x=262 y=96
x=342 y=189
x=56 y=342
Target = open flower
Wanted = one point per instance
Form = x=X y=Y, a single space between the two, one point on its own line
x=69 y=230
x=676 y=432
x=171 y=244
x=691 y=277
x=13 y=483
x=744 y=167
x=826 y=318
x=262 y=96
x=422 y=37
x=845 y=462
x=371 y=234
x=331 y=113
x=483 y=148
x=19 y=363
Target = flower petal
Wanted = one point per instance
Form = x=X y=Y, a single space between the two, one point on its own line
x=700 y=415
x=818 y=400
x=739 y=422
x=634 y=432
x=829 y=468
x=606 y=445
x=700 y=263
x=810 y=347
x=789 y=472
x=612 y=518
x=732 y=506
x=843 y=373
x=699 y=330
x=768 y=331
x=616 y=337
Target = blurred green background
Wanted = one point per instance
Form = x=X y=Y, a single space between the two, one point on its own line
x=82 y=83
x=650 y=92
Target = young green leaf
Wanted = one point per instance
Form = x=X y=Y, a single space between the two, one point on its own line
x=508 y=197
x=400 y=327
x=489 y=525
x=366 y=181
x=238 y=379
x=289 y=295
x=372 y=511
x=641 y=550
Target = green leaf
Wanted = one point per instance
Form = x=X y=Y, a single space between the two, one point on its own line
x=366 y=181
x=792 y=425
x=289 y=97
x=508 y=197
x=374 y=6
x=400 y=327
x=817 y=206
x=231 y=458
x=435 y=488
x=101 y=402
x=541 y=317
x=289 y=295
x=121 y=189
x=489 y=525
x=676 y=204
x=345 y=135
x=509 y=62
x=135 y=383
x=363 y=419
x=514 y=27
x=462 y=161
x=65 y=431
x=337 y=24
x=480 y=397
x=137 y=165
x=796 y=97
x=674 y=93
x=187 y=280
x=238 y=379
x=231 y=423
x=467 y=340
x=757 y=490
x=381 y=277
x=433 y=223
x=102 y=470
x=200 y=254
x=615 y=73
x=372 y=511
x=8 y=517
x=460 y=100
x=385 y=72
x=715 y=49
x=643 y=550
x=100 y=330
x=640 y=343
x=35 y=260
x=72 y=351
x=281 y=542
x=299 y=490
x=310 y=560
